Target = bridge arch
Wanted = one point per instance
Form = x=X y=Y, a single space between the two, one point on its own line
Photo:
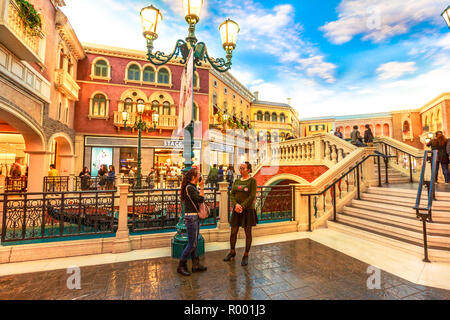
x=275 y=180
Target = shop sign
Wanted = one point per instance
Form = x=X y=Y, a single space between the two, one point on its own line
x=221 y=147
x=179 y=144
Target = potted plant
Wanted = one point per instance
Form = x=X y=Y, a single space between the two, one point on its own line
x=29 y=16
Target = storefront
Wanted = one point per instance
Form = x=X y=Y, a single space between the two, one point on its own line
x=165 y=155
x=221 y=154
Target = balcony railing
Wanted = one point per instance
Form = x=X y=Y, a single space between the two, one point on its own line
x=14 y=34
x=164 y=121
x=270 y=125
x=66 y=84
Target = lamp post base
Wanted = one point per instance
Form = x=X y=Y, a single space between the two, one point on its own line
x=180 y=241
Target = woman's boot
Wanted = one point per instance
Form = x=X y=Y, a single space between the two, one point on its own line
x=182 y=268
x=196 y=266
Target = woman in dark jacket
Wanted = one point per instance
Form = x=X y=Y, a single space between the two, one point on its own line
x=191 y=197
x=85 y=177
x=243 y=195
x=368 y=136
x=440 y=144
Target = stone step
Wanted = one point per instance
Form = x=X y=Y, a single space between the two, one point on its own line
x=405 y=201
x=408 y=235
x=406 y=211
x=410 y=222
x=440 y=196
x=415 y=248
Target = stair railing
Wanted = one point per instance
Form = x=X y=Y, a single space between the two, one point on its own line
x=394 y=149
x=355 y=173
x=425 y=213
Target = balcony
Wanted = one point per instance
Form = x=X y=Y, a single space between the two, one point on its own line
x=165 y=122
x=271 y=125
x=66 y=85
x=16 y=37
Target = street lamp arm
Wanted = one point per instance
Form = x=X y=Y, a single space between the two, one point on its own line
x=160 y=58
x=219 y=64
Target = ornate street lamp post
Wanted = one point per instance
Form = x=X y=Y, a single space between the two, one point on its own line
x=139 y=125
x=446 y=15
x=151 y=18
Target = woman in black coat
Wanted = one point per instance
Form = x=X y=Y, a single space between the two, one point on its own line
x=440 y=144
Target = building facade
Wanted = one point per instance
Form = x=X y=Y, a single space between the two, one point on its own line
x=38 y=66
x=274 y=120
x=113 y=80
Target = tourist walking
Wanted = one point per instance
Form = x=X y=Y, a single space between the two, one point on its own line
x=85 y=177
x=368 y=136
x=213 y=176
x=102 y=176
x=111 y=178
x=440 y=144
x=191 y=197
x=356 y=137
x=220 y=174
x=243 y=194
x=52 y=174
x=230 y=176
x=150 y=180
x=338 y=133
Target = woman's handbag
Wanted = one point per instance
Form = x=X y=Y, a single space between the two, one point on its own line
x=203 y=210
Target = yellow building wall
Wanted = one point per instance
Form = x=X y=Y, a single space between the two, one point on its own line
x=232 y=99
x=309 y=128
x=284 y=128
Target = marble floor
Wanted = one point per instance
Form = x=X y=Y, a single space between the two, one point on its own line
x=292 y=269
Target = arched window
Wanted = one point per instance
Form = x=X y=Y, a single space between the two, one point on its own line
x=406 y=127
x=196 y=81
x=101 y=68
x=98 y=108
x=266 y=116
x=214 y=99
x=134 y=73
x=149 y=74
x=234 y=110
x=61 y=59
x=282 y=118
x=69 y=66
x=248 y=119
x=274 y=117
x=259 y=116
x=163 y=76
x=166 y=108
x=128 y=105
x=155 y=106
x=196 y=113
x=242 y=116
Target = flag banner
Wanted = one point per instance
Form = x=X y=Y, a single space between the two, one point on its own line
x=189 y=99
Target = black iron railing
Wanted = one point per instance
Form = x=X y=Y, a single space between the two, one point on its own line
x=31 y=216
x=272 y=203
x=327 y=198
x=160 y=209
x=401 y=157
x=425 y=213
x=16 y=184
x=56 y=184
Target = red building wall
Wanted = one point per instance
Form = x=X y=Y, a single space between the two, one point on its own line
x=115 y=88
x=309 y=173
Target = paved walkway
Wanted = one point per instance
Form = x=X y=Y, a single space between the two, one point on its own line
x=297 y=269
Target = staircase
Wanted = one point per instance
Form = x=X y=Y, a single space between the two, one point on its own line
x=394 y=176
x=386 y=215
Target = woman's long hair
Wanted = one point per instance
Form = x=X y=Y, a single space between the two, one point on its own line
x=186 y=179
x=441 y=140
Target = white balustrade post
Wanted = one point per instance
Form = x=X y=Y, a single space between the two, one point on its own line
x=122 y=241
x=301 y=209
x=223 y=206
x=319 y=150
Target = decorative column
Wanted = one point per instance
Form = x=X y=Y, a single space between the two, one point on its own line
x=223 y=206
x=122 y=242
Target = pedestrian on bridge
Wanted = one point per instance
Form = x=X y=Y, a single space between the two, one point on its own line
x=440 y=144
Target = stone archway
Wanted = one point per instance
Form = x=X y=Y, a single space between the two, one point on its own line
x=276 y=180
x=61 y=151
x=35 y=146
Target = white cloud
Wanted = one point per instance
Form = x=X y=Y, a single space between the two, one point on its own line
x=394 y=69
x=274 y=31
x=378 y=20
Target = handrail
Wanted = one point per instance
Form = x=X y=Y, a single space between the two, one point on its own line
x=426 y=216
x=432 y=182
